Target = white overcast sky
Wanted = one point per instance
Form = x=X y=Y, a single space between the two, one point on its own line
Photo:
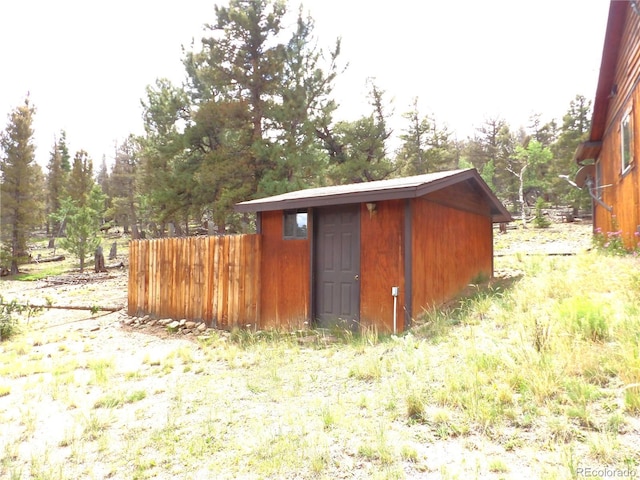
x=86 y=63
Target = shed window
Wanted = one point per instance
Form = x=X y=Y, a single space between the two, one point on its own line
x=626 y=139
x=295 y=224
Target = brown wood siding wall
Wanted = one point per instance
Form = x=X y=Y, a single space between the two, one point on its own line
x=450 y=248
x=624 y=193
x=285 y=296
x=213 y=279
x=382 y=264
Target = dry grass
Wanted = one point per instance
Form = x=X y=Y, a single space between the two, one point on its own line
x=527 y=378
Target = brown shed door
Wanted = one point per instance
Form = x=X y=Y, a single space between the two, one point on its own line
x=337 y=267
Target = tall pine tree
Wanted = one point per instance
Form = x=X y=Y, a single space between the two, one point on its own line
x=19 y=201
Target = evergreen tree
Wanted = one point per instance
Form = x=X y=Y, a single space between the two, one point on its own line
x=357 y=150
x=56 y=181
x=243 y=61
x=83 y=221
x=81 y=178
x=297 y=154
x=258 y=94
x=102 y=178
x=425 y=147
x=65 y=158
x=576 y=125
x=489 y=152
x=162 y=149
x=123 y=188
x=19 y=203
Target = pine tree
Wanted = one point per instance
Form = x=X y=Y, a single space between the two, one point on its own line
x=576 y=125
x=358 y=150
x=259 y=94
x=20 y=209
x=123 y=189
x=425 y=148
x=65 y=158
x=162 y=149
x=55 y=187
x=81 y=178
x=83 y=221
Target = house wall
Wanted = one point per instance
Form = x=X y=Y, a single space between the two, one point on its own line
x=624 y=193
x=382 y=264
x=450 y=247
x=285 y=269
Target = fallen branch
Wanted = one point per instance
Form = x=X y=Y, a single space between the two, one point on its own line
x=58 y=258
x=95 y=308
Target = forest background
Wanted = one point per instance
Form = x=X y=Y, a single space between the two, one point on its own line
x=255 y=116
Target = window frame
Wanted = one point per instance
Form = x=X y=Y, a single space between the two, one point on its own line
x=297 y=232
x=626 y=142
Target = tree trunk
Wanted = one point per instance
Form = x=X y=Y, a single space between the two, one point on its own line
x=113 y=253
x=99 y=261
x=521 y=196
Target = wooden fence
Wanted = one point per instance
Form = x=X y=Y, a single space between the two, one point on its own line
x=213 y=279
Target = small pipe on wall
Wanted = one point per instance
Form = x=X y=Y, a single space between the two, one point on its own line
x=394 y=293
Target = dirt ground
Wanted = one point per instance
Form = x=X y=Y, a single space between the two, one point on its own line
x=109 y=335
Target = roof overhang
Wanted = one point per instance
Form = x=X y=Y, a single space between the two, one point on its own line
x=605 y=90
x=587 y=151
x=394 y=189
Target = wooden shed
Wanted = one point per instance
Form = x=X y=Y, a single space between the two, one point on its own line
x=339 y=255
x=609 y=156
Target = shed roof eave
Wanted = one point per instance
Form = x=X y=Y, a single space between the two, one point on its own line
x=412 y=189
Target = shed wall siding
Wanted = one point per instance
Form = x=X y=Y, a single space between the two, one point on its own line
x=285 y=296
x=450 y=248
x=382 y=264
x=624 y=193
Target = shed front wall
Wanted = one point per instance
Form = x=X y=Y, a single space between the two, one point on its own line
x=623 y=194
x=450 y=247
x=382 y=265
x=285 y=269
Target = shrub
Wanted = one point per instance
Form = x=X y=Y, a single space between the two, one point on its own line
x=540 y=220
x=8 y=323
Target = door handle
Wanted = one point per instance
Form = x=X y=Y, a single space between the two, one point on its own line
x=356 y=277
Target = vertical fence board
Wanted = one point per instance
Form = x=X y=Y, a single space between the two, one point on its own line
x=215 y=312
x=131 y=297
x=224 y=284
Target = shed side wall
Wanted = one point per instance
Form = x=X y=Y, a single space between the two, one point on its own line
x=382 y=265
x=450 y=248
x=285 y=295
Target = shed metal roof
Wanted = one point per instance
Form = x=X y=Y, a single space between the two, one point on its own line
x=396 y=188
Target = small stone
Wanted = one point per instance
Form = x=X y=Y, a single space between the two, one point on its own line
x=190 y=325
x=152 y=323
x=202 y=327
x=183 y=322
x=174 y=326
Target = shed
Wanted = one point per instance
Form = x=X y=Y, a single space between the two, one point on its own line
x=335 y=256
x=610 y=154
